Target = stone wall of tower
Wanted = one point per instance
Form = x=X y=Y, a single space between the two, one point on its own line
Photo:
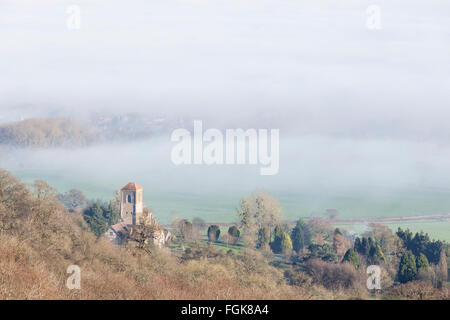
x=139 y=207
x=131 y=207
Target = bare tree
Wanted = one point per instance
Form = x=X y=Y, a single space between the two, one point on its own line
x=340 y=245
x=185 y=229
x=442 y=269
x=258 y=210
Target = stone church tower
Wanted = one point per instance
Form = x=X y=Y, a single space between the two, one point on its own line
x=133 y=212
x=131 y=207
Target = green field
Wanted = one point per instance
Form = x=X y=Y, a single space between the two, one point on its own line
x=436 y=229
x=218 y=206
x=439 y=230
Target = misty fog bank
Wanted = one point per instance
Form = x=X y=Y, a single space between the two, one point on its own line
x=359 y=178
x=306 y=67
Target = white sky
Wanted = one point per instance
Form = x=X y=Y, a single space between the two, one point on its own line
x=305 y=64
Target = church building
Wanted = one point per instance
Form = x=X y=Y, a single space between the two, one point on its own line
x=132 y=213
x=131 y=207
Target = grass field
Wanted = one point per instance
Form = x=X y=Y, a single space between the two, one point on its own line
x=439 y=230
x=217 y=206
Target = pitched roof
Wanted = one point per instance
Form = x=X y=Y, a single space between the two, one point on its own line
x=120 y=227
x=132 y=186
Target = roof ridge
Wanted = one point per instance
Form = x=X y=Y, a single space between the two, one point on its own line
x=132 y=186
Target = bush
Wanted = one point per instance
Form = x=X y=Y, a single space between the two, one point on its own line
x=333 y=276
x=213 y=233
x=324 y=252
x=282 y=242
x=298 y=278
x=234 y=233
x=417 y=290
x=185 y=229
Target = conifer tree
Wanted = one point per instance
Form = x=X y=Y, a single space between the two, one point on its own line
x=407 y=270
x=298 y=237
x=351 y=257
x=422 y=262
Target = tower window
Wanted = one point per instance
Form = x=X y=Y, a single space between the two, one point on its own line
x=129 y=198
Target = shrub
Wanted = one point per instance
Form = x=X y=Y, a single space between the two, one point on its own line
x=282 y=243
x=185 y=229
x=324 y=252
x=234 y=233
x=333 y=276
x=213 y=233
x=298 y=278
x=417 y=290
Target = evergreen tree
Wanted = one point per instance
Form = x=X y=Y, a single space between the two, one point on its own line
x=213 y=233
x=281 y=241
x=422 y=262
x=407 y=270
x=234 y=233
x=406 y=237
x=110 y=214
x=376 y=254
x=286 y=242
x=298 y=237
x=433 y=251
x=307 y=235
x=186 y=229
x=99 y=217
x=370 y=243
x=350 y=256
x=365 y=246
x=275 y=245
x=421 y=243
x=324 y=252
x=358 y=245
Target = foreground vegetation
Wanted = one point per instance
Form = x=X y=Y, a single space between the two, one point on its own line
x=258 y=258
x=39 y=239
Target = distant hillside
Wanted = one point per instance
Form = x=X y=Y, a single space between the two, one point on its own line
x=132 y=126
x=52 y=132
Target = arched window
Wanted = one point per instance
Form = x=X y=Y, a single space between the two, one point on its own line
x=129 y=198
